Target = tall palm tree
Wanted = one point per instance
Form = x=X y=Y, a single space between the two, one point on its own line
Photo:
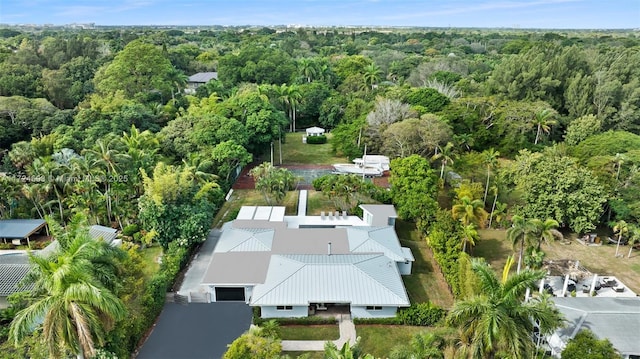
x=497 y=321
x=371 y=75
x=469 y=211
x=71 y=303
x=621 y=228
x=543 y=120
x=469 y=235
x=307 y=68
x=445 y=155
x=490 y=159
x=519 y=234
x=544 y=231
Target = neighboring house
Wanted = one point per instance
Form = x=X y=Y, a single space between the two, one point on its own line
x=15 y=266
x=290 y=266
x=21 y=230
x=198 y=80
x=615 y=319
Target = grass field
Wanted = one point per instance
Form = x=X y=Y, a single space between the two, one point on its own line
x=309 y=332
x=425 y=282
x=600 y=260
x=294 y=152
x=379 y=340
x=243 y=197
x=150 y=257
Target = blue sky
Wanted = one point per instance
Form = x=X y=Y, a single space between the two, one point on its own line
x=598 y=14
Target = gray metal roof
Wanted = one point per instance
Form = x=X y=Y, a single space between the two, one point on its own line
x=311 y=241
x=616 y=319
x=359 y=279
x=106 y=233
x=238 y=268
x=19 y=228
x=203 y=77
x=376 y=240
x=245 y=239
x=13 y=268
x=380 y=212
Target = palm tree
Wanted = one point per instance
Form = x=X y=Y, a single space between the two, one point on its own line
x=543 y=121
x=544 y=230
x=490 y=158
x=497 y=321
x=347 y=351
x=445 y=155
x=469 y=235
x=518 y=234
x=307 y=68
x=621 y=228
x=469 y=211
x=71 y=302
x=371 y=75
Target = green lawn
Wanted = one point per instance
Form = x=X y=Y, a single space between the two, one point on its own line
x=309 y=332
x=425 y=282
x=150 y=257
x=379 y=340
x=493 y=247
x=250 y=197
x=295 y=152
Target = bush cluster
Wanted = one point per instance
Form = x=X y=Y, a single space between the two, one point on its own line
x=421 y=314
x=316 y=140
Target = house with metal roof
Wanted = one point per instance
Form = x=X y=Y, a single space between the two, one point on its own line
x=615 y=319
x=196 y=80
x=18 y=230
x=291 y=270
x=13 y=268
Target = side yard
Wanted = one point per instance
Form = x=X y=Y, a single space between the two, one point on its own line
x=601 y=260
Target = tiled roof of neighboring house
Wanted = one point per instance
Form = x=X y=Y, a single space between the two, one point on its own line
x=13 y=268
x=364 y=239
x=19 y=228
x=617 y=319
x=381 y=213
x=106 y=233
x=203 y=77
x=359 y=279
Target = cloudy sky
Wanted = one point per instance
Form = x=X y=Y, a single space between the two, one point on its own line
x=592 y=14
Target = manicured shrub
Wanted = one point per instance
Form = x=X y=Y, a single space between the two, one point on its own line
x=421 y=314
x=130 y=230
x=316 y=140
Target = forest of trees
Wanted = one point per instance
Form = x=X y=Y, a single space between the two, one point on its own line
x=542 y=126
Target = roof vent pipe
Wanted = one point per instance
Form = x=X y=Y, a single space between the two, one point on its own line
x=329 y=247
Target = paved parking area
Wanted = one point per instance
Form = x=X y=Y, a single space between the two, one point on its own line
x=196 y=331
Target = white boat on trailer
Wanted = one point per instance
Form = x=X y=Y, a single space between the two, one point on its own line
x=368 y=165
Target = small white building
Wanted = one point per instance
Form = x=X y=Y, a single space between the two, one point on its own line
x=315 y=131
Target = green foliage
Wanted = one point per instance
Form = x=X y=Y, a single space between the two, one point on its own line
x=555 y=186
x=581 y=128
x=606 y=144
x=316 y=140
x=414 y=188
x=445 y=236
x=253 y=344
x=585 y=345
x=431 y=100
x=421 y=314
x=272 y=182
x=130 y=230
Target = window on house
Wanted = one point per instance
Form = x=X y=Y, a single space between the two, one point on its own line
x=284 y=307
x=374 y=307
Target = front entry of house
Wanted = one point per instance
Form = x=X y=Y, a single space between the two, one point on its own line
x=224 y=294
x=329 y=309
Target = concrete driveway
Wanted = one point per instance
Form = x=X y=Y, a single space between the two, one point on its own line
x=196 y=330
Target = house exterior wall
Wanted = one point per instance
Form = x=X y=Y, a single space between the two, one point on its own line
x=362 y=312
x=404 y=268
x=294 y=312
x=4 y=304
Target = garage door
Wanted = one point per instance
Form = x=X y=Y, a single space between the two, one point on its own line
x=229 y=294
